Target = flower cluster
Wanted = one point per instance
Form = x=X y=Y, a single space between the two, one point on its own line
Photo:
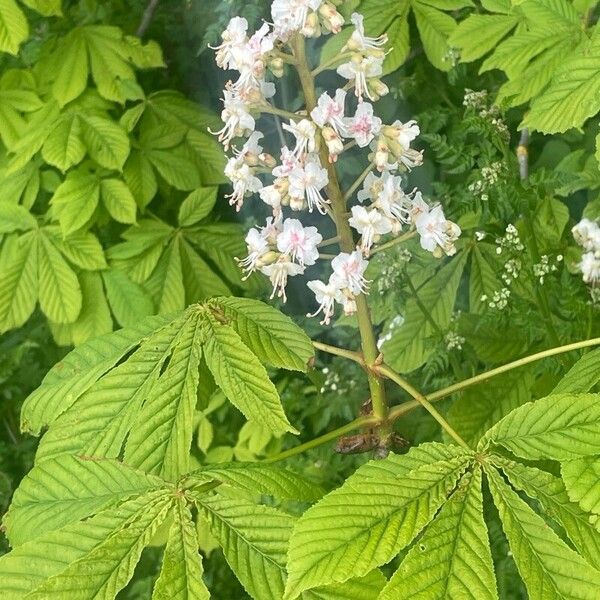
x=546 y=266
x=587 y=235
x=303 y=178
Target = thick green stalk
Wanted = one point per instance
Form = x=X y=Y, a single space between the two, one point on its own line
x=338 y=212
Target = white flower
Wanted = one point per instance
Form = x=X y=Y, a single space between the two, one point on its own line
x=436 y=231
x=304 y=131
x=372 y=187
x=291 y=15
x=234 y=39
x=258 y=246
x=299 y=243
x=306 y=183
x=358 y=39
x=250 y=64
x=590 y=267
x=289 y=162
x=236 y=117
x=405 y=133
x=418 y=207
x=370 y=224
x=251 y=149
x=411 y=158
x=278 y=272
x=243 y=179
x=364 y=126
x=271 y=195
x=360 y=69
x=331 y=111
x=350 y=268
x=587 y=234
x=326 y=295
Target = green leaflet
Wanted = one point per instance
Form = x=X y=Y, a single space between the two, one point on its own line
x=242 y=378
x=582 y=376
x=14 y=29
x=254 y=539
x=368 y=520
x=581 y=478
x=118 y=200
x=273 y=337
x=259 y=478
x=551 y=493
x=435 y=567
x=106 y=569
x=181 y=574
x=15 y=218
x=75 y=200
x=160 y=438
x=559 y=427
x=71 y=377
x=128 y=300
x=67 y=489
x=549 y=568
x=197 y=206
x=29 y=565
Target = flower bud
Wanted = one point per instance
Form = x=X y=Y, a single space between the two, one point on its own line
x=332 y=20
x=349 y=306
x=268 y=160
x=311 y=26
x=382 y=155
x=377 y=88
x=276 y=66
x=268 y=259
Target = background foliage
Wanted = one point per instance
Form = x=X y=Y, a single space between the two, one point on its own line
x=112 y=215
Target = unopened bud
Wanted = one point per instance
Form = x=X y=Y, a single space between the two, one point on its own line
x=268 y=258
x=332 y=20
x=276 y=66
x=311 y=26
x=268 y=160
x=377 y=88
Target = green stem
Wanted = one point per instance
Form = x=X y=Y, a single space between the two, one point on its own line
x=339 y=58
x=338 y=208
x=330 y=241
x=354 y=356
x=403 y=238
x=350 y=192
x=273 y=110
x=407 y=387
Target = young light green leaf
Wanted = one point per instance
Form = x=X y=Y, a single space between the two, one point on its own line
x=106 y=141
x=548 y=567
x=254 y=539
x=551 y=493
x=242 y=378
x=14 y=217
x=75 y=200
x=67 y=489
x=582 y=376
x=558 y=427
x=181 y=573
x=59 y=289
x=435 y=567
x=118 y=200
x=14 y=29
x=81 y=248
x=64 y=146
x=272 y=336
x=78 y=371
x=140 y=178
x=367 y=521
x=197 y=205
x=434 y=28
x=581 y=477
x=107 y=568
x=47 y=8
x=128 y=301
x=361 y=588
x=160 y=438
x=72 y=68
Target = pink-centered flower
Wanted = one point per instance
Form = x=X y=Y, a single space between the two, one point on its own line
x=364 y=126
x=299 y=242
x=232 y=46
x=350 y=268
x=290 y=15
x=359 y=70
x=304 y=131
x=306 y=183
x=370 y=224
x=436 y=231
x=236 y=117
x=330 y=111
x=243 y=180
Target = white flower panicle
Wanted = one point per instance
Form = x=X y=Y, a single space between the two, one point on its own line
x=304 y=173
x=587 y=235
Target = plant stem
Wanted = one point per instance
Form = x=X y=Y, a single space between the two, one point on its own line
x=354 y=356
x=330 y=241
x=338 y=206
x=357 y=183
x=398 y=411
x=407 y=387
x=331 y=62
x=273 y=110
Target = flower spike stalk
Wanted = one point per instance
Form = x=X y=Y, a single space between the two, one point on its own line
x=304 y=179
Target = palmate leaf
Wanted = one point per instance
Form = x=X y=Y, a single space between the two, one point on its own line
x=559 y=427
x=67 y=489
x=452 y=559
x=549 y=568
x=78 y=371
x=273 y=337
x=551 y=493
x=581 y=477
x=181 y=573
x=370 y=518
x=29 y=565
x=238 y=372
